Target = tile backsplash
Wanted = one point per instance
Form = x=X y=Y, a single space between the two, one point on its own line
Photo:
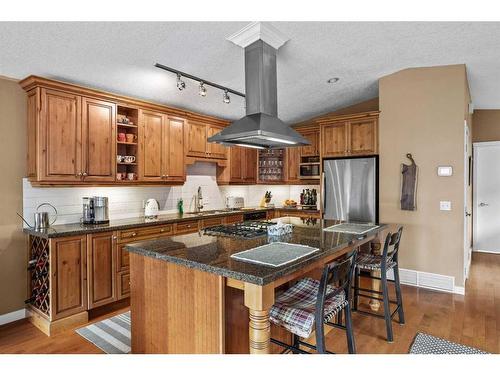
x=127 y=201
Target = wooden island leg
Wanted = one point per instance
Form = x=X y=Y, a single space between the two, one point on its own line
x=259 y=299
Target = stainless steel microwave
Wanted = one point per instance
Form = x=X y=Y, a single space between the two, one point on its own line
x=309 y=170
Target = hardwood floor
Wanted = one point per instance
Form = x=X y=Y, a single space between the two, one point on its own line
x=473 y=319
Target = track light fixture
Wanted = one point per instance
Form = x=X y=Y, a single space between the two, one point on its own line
x=225 y=97
x=203 y=83
x=181 y=85
x=202 y=90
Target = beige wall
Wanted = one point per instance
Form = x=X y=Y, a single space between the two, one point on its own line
x=13 y=167
x=422 y=113
x=486 y=125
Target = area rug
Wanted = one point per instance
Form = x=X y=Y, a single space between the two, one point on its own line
x=427 y=344
x=111 y=335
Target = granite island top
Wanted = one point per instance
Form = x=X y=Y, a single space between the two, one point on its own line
x=213 y=253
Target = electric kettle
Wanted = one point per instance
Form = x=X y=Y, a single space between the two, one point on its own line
x=151 y=209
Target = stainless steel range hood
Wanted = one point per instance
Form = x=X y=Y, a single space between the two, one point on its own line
x=260 y=128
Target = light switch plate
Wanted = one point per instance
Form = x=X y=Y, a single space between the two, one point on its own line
x=445 y=171
x=445 y=205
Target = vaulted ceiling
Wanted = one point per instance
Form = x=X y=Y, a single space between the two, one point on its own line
x=119 y=57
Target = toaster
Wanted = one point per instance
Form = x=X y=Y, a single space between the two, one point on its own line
x=234 y=203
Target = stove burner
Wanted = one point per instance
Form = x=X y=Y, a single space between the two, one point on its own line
x=247 y=229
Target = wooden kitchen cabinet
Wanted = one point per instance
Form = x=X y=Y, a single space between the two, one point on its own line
x=292 y=161
x=101 y=268
x=98 y=140
x=350 y=137
x=242 y=165
x=161 y=151
x=68 y=279
x=197 y=142
x=312 y=135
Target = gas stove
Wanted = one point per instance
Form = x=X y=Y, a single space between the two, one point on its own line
x=247 y=229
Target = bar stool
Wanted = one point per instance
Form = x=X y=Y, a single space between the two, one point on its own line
x=386 y=261
x=310 y=304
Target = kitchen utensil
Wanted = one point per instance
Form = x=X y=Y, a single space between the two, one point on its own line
x=122 y=137
x=131 y=137
x=151 y=209
x=41 y=219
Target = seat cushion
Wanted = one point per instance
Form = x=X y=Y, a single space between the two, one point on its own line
x=294 y=309
x=369 y=261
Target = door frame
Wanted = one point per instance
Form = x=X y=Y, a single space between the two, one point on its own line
x=467 y=236
x=475 y=147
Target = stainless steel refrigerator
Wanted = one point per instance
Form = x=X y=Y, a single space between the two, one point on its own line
x=350 y=189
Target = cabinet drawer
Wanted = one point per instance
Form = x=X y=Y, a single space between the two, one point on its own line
x=143 y=233
x=123 y=285
x=123 y=258
x=186 y=227
x=233 y=219
x=212 y=222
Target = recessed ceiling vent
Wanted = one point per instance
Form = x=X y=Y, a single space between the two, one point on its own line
x=261 y=127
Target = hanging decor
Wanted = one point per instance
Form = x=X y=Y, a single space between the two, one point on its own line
x=409 y=185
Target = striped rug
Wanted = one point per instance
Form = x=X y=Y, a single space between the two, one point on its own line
x=111 y=335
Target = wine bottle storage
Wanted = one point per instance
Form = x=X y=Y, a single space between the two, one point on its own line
x=39 y=275
x=271 y=165
x=126 y=143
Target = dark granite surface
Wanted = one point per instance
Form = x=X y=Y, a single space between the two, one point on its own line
x=212 y=253
x=74 y=229
x=65 y=230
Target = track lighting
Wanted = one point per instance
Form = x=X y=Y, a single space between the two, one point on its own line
x=202 y=90
x=181 y=85
x=225 y=97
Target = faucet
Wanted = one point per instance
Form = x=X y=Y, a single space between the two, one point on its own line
x=199 y=200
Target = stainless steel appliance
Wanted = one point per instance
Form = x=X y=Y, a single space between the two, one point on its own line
x=309 y=170
x=235 y=203
x=250 y=229
x=258 y=215
x=350 y=189
x=95 y=210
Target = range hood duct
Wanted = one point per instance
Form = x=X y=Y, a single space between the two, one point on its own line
x=260 y=128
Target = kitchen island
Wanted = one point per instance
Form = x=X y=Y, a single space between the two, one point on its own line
x=189 y=296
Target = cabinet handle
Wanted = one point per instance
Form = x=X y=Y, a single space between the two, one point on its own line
x=115 y=238
x=84 y=174
x=162 y=230
x=134 y=234
x=78 y=174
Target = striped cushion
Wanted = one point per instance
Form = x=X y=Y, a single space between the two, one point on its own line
x=294 y=309
x=369 y=261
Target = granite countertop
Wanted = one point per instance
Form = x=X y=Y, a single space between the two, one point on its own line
x=212 y=253
x=74 y=229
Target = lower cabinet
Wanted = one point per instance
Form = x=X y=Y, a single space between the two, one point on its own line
x=101 y=268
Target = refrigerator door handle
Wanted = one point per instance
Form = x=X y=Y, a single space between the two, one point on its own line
x=323 y=198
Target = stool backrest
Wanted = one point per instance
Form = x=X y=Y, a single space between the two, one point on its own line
x=338 y=275
x=391 y=245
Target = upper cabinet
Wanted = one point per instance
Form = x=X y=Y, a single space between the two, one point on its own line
x=350 y=136
x=161 y=147
x=243 y=165
x=197 y=142
x=292 y=159
x=78 y=135
x=312 y=135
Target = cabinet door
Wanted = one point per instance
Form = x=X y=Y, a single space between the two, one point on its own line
x=249 y=165
x=215 y=150
x=334 y=139
x=61 y=136
x=197 y=139
x=363 y=138
x=151 y=147
x=174 y=166
x=312 y=149
x=292 y=164
x=236 y=171
x=98 y=140
x=68 y=288
x=101 y=268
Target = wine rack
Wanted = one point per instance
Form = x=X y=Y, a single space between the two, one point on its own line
x=271 y=165
x=39 y=275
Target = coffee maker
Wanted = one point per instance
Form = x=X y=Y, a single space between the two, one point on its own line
x=95 y=210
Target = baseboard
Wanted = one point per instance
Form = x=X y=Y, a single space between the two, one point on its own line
x=427 y=280
x=12 y=316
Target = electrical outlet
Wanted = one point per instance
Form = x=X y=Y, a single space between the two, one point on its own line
x=445 y=205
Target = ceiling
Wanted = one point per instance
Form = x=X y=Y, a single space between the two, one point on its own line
x=119 y=57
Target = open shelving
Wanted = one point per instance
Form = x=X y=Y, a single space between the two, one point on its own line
x=127 y=123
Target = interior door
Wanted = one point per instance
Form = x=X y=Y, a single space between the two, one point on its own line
x=61 y=136
x=486 y=197
x=151 y=146
x=98 y=140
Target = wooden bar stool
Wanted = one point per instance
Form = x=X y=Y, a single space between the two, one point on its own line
x=386 y=261
x=310 y=304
